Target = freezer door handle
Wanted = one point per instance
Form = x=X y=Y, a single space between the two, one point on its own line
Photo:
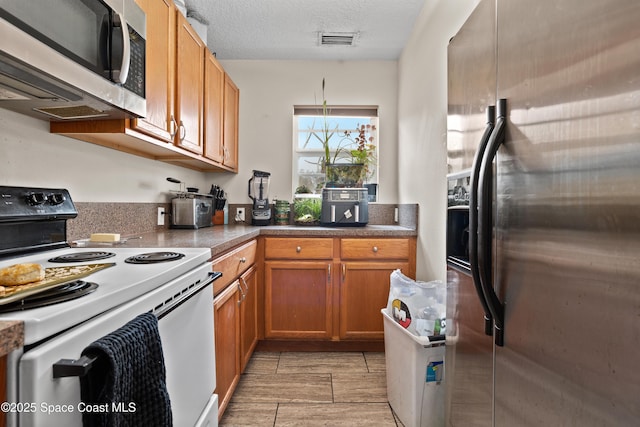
x=473 y=219
x=485 y=222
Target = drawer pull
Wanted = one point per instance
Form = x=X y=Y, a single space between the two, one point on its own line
x=375 y=249
x=298 y=249
x=243 y=260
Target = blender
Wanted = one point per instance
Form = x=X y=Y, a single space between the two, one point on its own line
x=259 y=193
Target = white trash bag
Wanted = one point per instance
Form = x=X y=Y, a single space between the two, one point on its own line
x=419 y=307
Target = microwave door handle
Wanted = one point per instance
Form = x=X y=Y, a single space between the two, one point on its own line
x=473 y=218
x=120 y=76
x=485 y=222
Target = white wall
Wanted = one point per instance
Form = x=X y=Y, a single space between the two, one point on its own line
x=31 y=156
x=422 y=112
x=270 y=89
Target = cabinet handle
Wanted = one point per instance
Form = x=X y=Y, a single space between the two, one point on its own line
x=245 y=283
x=183 y=131
x=329 y=272
x=243 y=260
x=344 y=272
x=298 y=249
x=375 y=249
x=243 y=295
x=173 y=127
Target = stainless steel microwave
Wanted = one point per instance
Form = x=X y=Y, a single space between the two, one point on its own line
x=73 y=59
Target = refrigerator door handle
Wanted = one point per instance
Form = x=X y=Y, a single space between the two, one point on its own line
x=473 y=218
x=485 y=222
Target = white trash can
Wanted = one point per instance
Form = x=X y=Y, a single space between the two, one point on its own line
x=415 y=375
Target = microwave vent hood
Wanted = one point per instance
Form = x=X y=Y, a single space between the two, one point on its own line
x=38 y=81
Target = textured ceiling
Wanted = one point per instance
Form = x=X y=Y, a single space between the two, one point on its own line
x=288 y=29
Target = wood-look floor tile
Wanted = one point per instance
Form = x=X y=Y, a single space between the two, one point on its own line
x=339 y=414
x=276 y=388
x=249 y=414
x=263 y=363
x=321 y=362
x=368 y=387
x=375 y=362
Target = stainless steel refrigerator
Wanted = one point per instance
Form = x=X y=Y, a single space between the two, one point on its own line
x=543 y=243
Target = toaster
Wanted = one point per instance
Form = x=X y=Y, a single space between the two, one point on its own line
x=191 y=212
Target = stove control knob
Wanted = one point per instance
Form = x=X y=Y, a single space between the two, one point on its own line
x=56 y=198
x=36 y=198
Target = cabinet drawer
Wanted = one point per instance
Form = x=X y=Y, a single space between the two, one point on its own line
x=294 y=248
x=233 y=264
x=374 y=249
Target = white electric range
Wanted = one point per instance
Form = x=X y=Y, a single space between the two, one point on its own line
x=173 y=283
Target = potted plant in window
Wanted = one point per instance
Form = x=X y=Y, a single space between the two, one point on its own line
x=352 y=159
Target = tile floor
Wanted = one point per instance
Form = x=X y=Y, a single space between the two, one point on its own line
x=312 y=389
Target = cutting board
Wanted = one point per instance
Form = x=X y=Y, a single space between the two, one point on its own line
x=53 y=276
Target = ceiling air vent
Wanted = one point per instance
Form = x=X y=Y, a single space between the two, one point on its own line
x=337 y=39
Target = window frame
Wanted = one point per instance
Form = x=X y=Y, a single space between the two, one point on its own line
x=359 y=113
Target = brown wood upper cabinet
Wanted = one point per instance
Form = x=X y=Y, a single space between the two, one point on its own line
x=231 y=113
x=189 y=111
x=159 y=122
x=221 y=102
x=181 y=89
x=213 y=109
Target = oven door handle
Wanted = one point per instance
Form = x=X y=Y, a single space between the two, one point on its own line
x=73 y=367
x=169 y=307
x=473 y=219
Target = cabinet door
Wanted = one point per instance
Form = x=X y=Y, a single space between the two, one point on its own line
x=213 y=109
x=298 y=299
x=364 y=290
x=248 y=316
x=159 y=76
x=189 y=86
x=231 y=105
x=227 y=333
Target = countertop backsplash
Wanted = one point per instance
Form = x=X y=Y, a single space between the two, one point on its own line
x=129 y=219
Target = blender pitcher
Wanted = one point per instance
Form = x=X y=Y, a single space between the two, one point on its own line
x=259 y=193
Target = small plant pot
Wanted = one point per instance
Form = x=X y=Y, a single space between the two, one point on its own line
x=307 y=209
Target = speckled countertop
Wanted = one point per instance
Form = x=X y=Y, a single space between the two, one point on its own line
x=221 y=238
x=11 y=335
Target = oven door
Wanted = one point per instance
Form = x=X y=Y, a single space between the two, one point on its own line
x=186 y=331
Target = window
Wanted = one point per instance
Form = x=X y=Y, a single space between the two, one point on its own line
x=342 y=126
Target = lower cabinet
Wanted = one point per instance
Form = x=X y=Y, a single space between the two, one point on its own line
x=297 y=300
x=235 y=312
x=364 y=290
x=248 y=316
x=331 y=288
x=226 y=314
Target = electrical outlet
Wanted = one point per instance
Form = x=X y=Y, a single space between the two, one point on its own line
x=160 y=216
x=240 y=215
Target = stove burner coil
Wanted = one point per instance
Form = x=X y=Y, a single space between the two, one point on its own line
x=154 y=257
x=82 y=256
x=62 y=293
